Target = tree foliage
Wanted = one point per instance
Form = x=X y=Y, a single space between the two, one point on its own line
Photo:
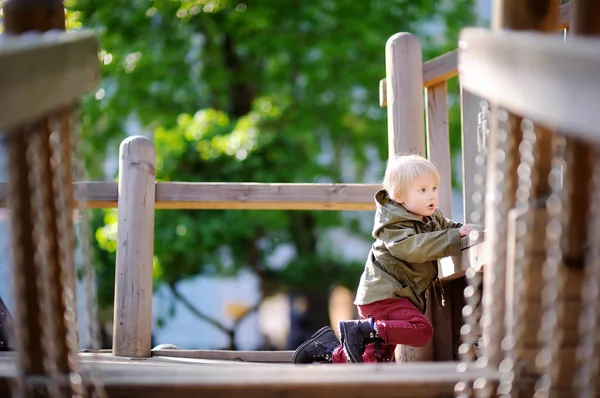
x=256 y=91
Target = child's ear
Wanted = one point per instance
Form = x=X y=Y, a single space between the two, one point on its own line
x=398 y=198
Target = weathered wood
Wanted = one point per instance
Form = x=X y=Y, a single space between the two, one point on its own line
x=135 y=248
x=469 y=110
x=541 y=94
x=31 y=67
x=257 y=196
x=406 y=130
x=507 y=15
x=443 y=345
x=470 y=107
x=584 y=21
x=242 y=356
x=154 y=377
x=438 y=142
x=445 y=66
x=62 y=63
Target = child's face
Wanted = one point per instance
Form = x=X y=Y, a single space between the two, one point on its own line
x=421 y=197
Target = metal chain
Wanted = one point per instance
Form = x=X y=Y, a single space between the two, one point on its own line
x=89 y=275
x=471 y=331
x=525 y=212
x=505 y=145
x=550 y=334
x=38 y=176
x=588 y=349
x=65 y=253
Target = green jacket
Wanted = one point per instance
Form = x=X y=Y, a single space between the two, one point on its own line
x=403 y=261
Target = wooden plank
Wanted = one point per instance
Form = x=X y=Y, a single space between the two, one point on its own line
x=584 y=21
x=510 y=16
x=469 y=110
x=443 y=348
x=132 y=322
x=445 y=66
x=406 y=129
x=242 y=356
x=256 y=196
x=64 y=64
x=153 y=377
x=558 y=94
x=438 y=142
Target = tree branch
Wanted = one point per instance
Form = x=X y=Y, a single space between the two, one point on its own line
x=250 y=310
x=194 y=310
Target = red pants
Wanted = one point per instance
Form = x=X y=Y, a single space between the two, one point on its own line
x=398 y=321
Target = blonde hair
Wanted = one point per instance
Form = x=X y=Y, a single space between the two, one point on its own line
x=402 y=170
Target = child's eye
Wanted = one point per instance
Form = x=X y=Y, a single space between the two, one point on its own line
x=435 y=188
x=422 y=190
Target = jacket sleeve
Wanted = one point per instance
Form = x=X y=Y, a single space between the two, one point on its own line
x=407 y=245
x=446 y=223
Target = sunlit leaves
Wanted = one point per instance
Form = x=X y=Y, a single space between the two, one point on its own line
x=261 y=91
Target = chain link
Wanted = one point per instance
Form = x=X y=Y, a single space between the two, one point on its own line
x=493 y=314
x=526 y=211
x=471 y=331
x=550 y=333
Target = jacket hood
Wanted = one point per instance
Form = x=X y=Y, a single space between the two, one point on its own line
x=390 y=212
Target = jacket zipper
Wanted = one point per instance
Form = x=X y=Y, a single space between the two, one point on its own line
x=442 y=290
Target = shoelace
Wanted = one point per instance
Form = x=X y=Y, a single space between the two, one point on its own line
x=326 y=357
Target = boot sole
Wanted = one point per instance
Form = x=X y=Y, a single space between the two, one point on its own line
x=342 y=333
x=316 y=335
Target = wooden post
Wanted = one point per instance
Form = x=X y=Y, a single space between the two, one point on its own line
x=406 y=127
x=514 y=15
x=438 y=148
x=438 y=142
x=56 y=258
x=135 y=248
x=404 y=88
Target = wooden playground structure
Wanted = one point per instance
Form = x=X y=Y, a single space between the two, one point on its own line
x=524 y=306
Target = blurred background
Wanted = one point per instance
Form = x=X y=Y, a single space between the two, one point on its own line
x=249 y=91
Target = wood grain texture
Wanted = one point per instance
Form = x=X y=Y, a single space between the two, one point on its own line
x=445 y=66
x=558 y=94
x=242 y=356
x=404 y=80
x=438 y=142
x=155 y=377
x=33 y=66
x=257 y=196
x=132 y=325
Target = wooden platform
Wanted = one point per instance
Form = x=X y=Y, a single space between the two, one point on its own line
x=162 y=376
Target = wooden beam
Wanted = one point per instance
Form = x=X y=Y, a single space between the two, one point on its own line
x=504 y=67
x=438 y=142
x=40 y=73
x=227 y=355
x=445 y=66
x=241 y=196
x=157 y=377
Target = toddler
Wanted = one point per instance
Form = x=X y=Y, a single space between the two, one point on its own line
x=411 y=235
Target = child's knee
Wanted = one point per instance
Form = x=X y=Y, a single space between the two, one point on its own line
x=426 y=334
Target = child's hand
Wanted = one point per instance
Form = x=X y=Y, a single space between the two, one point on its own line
x=466 y=229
